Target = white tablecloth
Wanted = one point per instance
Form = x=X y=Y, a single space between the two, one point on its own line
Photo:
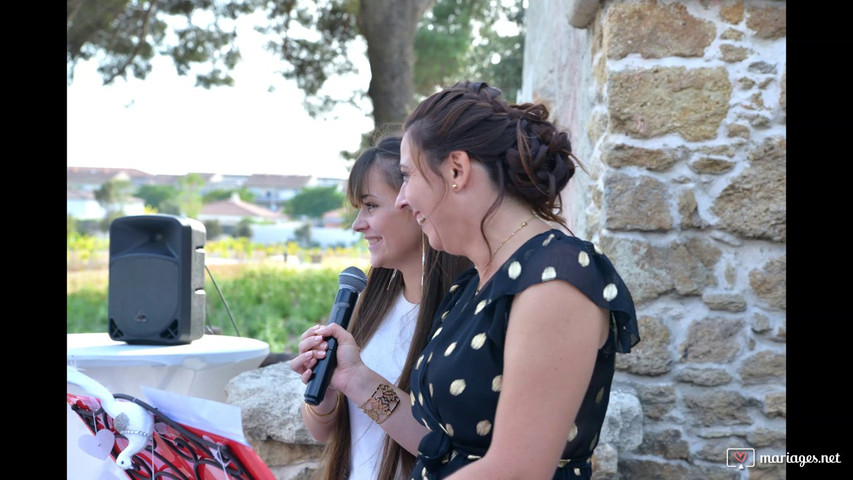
x=198 y=369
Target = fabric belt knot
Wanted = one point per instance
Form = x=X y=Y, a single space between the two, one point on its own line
x=435 y=450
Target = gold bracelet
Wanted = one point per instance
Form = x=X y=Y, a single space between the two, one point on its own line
x=381 y=404
x=332 y=411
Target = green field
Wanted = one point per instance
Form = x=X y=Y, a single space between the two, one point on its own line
x=269 y=299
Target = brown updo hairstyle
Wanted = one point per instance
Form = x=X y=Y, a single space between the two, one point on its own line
x=526 y=156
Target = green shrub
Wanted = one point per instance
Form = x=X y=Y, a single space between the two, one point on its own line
x=86 y=311
x=273 y=305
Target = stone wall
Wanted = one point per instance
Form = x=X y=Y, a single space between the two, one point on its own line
x=677 y=109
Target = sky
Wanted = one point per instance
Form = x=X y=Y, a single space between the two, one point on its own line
x=163 y=125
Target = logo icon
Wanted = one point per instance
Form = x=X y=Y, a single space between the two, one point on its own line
x=740 y=458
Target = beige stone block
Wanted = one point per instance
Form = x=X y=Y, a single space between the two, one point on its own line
x=727 y=302
x=636 y=203
x=651 y=356
x=767 y=22
x=714 y=166
x=706 y=377
x=712 y=340
x=763 y=368
x=770 y=282
x=619 y=155
x=739 y=131
x=775 y=404
x=753 y=205
x=688 y=210
x=717 y=408
x=732 y=11
x=666 y=444
x=734 y=54
x=655 y=30
x=648 y=103
x=731 y=34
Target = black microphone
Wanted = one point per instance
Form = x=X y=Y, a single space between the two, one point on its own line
x=350 y=284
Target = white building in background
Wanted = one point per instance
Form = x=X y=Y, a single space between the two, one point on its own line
x=270 y=192
x=278 y=227
x=286 y=232
x=91 y=179
x=81 y=205
x=273 y=190
x=229 y=212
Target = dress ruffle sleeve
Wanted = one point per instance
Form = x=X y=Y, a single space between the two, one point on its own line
x=553 y=256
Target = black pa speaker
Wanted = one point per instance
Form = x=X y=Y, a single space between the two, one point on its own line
x=156 y=279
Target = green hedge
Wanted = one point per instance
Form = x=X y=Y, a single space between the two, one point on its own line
x=270 y=304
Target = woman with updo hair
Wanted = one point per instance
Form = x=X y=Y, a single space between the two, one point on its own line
x=515 y=380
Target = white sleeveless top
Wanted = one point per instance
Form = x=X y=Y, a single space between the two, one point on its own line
x=385 y=353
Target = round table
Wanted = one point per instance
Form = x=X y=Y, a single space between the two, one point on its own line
x=201 y=368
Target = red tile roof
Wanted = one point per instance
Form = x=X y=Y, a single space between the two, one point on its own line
x=278 y=181
x=235 y=207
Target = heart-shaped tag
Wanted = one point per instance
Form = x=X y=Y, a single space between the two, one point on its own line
x=98 y=446
x=740 y=456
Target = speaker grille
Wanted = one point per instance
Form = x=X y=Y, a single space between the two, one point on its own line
x=156 y=279
x=147 y=289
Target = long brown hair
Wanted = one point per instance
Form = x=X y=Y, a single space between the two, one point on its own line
x=383 y=287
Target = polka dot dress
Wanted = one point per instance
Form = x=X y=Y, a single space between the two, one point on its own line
x=457 y=379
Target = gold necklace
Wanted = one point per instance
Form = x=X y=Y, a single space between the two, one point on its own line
x=495 y=251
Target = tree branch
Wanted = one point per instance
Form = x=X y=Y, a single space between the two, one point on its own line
x=143 y=31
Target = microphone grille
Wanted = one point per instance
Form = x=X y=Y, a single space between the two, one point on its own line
x=354 y=278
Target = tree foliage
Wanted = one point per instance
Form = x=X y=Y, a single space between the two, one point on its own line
x=127 y=34
x=458 y=39
x=221 y=194
x=303 y=236
x=243 y=228
x=314 y=202
x=212 y=229
x=156 y=196
x=104 y=223
x=113 y=195
x=313 y=38
x=444 y=36
x=70 y=225
x=189 y=194
x=413 y=46
x=496 y=58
